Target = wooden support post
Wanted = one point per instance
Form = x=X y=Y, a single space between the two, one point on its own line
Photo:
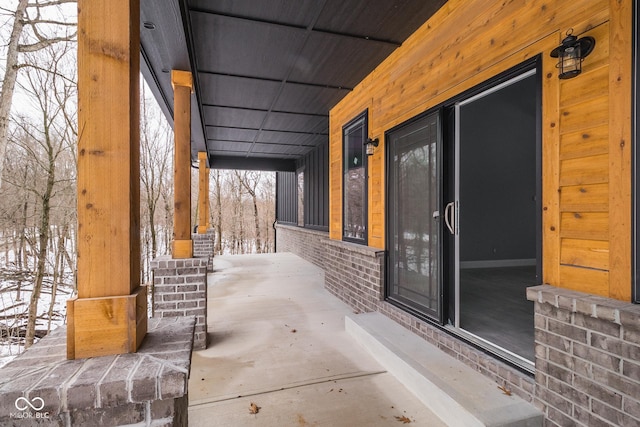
x=203 y=192
x=182 y=82
x=109 y=314
x=208 y=205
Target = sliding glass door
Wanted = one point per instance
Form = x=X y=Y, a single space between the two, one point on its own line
x=496 y=183
x=464 y=214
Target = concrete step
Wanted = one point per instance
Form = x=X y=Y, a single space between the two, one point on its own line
x=452 y=390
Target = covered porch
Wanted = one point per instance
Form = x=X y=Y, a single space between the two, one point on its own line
x=277 y=339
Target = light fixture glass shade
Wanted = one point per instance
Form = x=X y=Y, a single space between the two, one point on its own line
x=369 y=146
x=571 y=53
x=369 y=149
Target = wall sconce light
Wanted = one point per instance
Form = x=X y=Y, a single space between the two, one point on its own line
x=370 y=144
x=571 y=53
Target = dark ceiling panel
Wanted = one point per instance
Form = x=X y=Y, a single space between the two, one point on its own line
x=292 y=12
x=392 y=20
x=278 y=149
x=240 y=47
x=338 y=61
x=233 y=117
x=307 y=99
x=287 y=138
x=231 y=134
x=267 y=72
x=295 y=122
x=240 y=92
x=231 y=146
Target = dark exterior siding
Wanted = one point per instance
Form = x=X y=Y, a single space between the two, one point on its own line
x=316 y=191
x=286 y=201
x=316 y=188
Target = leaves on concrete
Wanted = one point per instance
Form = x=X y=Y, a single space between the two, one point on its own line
x=403 y=419
x=505 y=390
x=254 y=409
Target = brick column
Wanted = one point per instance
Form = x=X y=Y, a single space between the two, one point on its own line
x=203 y=247
x=587 y=358
x=180 y=289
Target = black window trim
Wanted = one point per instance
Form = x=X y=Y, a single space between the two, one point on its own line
x=364 y=116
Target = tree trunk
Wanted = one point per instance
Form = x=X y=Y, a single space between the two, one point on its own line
x=9 y=81
x=219 y=213
x=43 y=238
x=58 y=271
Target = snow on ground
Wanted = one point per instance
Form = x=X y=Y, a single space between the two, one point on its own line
x=14 y=309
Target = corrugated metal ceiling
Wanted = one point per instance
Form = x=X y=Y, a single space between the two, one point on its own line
x=267 y=72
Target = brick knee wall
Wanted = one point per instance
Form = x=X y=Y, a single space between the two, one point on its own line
x=180 y=289
x=356 y=274
x=587 y=358
x=307 y=244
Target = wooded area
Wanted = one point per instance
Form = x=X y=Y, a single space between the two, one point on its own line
x=38 y=140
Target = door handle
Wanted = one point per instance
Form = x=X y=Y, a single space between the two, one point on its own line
x=450 y=217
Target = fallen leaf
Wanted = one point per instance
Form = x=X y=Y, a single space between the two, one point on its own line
x=505 y=390
x=403 y=419
x=253 y=408
x=293 y=331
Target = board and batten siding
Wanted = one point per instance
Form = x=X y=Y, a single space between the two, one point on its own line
x=586 y=122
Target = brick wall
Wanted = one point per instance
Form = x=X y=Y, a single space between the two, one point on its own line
x=587 y=358
x=180 y=289
x=203 y=246
x=306 y=243
x=355 y=275
x=146 y=388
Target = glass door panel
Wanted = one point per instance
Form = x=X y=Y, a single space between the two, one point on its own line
x=414 y=262
x=497 y=210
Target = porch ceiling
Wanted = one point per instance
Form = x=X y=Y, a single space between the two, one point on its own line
x=266 y=73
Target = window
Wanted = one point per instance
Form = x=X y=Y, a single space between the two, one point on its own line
x=354 y=183
x=301 y=197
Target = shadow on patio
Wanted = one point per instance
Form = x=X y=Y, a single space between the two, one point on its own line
x=277 y=339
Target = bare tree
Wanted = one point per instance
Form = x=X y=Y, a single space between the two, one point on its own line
x=155 y=154
x=44 y=142
x=217 y=179
x=250 y=181
x=31 y=32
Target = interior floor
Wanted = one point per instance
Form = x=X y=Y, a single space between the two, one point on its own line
x=493 y=306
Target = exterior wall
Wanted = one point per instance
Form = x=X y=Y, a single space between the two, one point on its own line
x=586 y=122
x=587 y=358
x=316 y=187
x=307 y=244
x=316 y=191
x=355 y=274
x=286 y=198
x=147 y=388
x=179 y=290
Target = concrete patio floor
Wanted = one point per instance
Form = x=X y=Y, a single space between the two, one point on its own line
x=277 y=339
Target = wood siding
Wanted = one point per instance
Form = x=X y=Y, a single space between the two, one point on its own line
x=586 y=123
